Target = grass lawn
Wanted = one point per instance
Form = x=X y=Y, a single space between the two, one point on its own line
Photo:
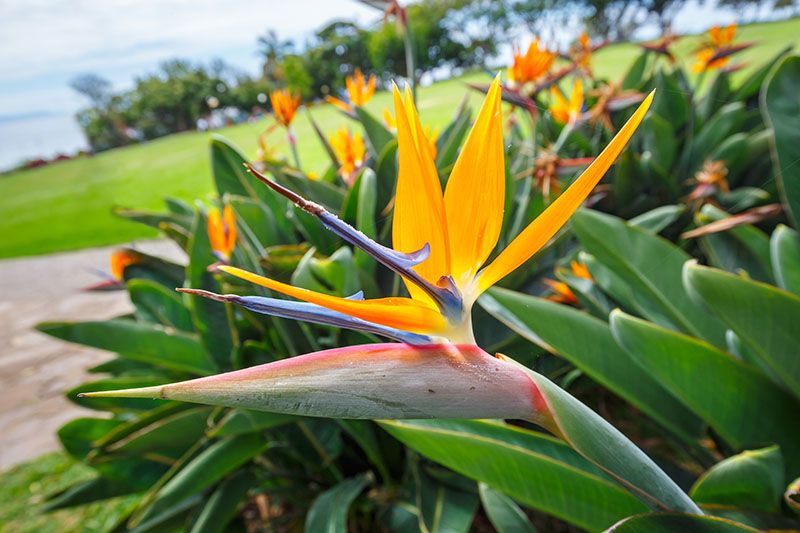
x=67 y=206
x=24 y=488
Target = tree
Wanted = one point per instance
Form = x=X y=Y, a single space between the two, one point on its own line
x=93 y=87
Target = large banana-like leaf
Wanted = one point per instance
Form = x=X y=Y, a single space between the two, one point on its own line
x=588 y=344
x=741 y=404
x=534 y=469
x=764 y=317
x=780 y=105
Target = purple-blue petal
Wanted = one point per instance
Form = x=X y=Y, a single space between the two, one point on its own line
x=319 y=315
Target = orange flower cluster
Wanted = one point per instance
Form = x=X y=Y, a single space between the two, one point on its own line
x=349 y=151
x=284 y=105
x=359 y=91
x=222 y=232
x=563 y=110
x=531 y=65
x=712 y=55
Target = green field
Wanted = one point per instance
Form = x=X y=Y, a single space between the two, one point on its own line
x=68 y=206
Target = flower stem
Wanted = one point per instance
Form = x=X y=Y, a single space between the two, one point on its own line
x=293 y=145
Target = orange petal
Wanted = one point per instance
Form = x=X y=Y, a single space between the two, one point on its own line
x=344 y=106
x=419 y=217
x=400 y=313
x=542 y=229
x=475 y=193
x=229 y=229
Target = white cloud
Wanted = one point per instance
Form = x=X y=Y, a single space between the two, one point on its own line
x=45 y=43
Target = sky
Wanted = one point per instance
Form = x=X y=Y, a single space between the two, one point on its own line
x=45 y=43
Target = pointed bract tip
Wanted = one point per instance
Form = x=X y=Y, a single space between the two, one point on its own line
x=155 y=392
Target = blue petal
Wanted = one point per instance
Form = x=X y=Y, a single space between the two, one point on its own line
x=447 y=298
x=312 y=313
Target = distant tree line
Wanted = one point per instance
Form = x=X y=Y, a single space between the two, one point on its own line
x=180 y=92
x=447 y=35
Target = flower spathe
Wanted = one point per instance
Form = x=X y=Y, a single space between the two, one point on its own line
x=350 y=151
x=563 y=110
x=221 y=229
x=284 y=105
x=392 y=380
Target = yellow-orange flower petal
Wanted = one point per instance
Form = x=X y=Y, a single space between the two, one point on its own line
x=284 y=105
x=401 y=313
x=119 y=260
x=532 y=65
x=344 y=106
x=419 y=217
x=359 y=90
x=222 y=231
x=388 y=119
x=564 y=110
x=720 y=37
x=349 y=151
x=580 y=270
x=475 y=193
x=542 y=229
x=561 y=292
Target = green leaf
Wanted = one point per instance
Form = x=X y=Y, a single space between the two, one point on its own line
x=532 y=468
x=658 y=137
x=377 y=134
x=92 y=490
x=158 y=304
x=230 y=175
x=785 y=252
x=365 y=215
x=741 y=248
x=749 y=480
x=587 y=343
x=148 y=343
x=601 y=443
x=659 y=218
x=504 y=514
x=672 y=522
x=443 y=508
x=752 y=83
x=742 y=405
x=336 y=275
x=780 y=107
x=206 y=469
x=257 y=223
x=221 y=506
x=634 y=77
x=651 y=267
x=212 y=320
x=241 y=421
x=362 y=431
x=328 y=513
x=719 y=127
x=174 y=433
x=764 y=317
x=672 y=101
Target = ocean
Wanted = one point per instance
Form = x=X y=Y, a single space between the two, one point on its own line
x=34 y=136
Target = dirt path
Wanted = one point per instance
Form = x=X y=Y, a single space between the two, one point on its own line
x=36 y=370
